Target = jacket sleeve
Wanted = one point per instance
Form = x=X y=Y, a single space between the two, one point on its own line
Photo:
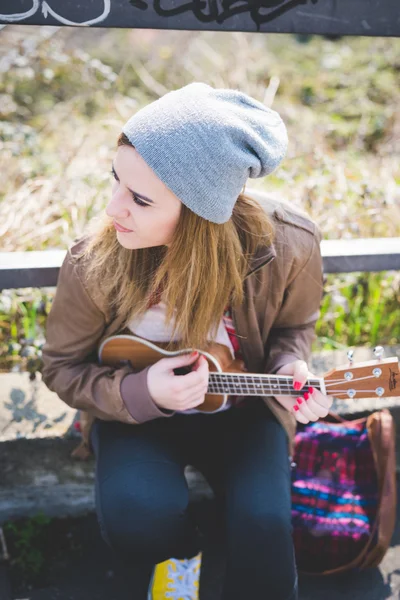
x=293 y=331
x=74 y=326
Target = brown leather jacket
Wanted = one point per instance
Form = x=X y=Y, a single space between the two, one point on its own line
x=276 y=325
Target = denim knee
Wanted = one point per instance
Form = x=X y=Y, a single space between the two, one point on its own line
x=139 y=520
x=258 y=521
x=260 y=547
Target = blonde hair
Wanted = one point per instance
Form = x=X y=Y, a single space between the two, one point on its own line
x=199 y=274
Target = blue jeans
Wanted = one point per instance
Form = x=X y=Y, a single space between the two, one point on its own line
x=142 y=499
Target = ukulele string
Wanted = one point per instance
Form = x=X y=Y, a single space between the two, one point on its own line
x=214 y=375
x=288 y=382
x=284 y=385
x=284 y=390
x=338 y=392
x=280 y=392
x=330 y=384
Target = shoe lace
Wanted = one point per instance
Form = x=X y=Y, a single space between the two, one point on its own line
x=183 y=578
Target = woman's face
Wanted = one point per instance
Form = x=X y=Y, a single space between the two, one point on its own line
x=141 y=202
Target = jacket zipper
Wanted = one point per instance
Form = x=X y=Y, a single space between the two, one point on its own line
x=271 y=258
x=233 y=314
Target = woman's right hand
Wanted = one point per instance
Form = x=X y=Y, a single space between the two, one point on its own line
x=178 y=392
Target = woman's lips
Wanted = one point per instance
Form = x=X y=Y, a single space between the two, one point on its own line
x=122 y=229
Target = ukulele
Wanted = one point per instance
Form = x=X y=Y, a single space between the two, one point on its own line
x=229 y=377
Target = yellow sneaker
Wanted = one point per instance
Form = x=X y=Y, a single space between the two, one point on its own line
x=176 y=579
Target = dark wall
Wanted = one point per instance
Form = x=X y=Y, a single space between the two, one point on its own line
x=327 y=17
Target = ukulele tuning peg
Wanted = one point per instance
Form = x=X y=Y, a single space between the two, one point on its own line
x=379 y=352
x=350 y=355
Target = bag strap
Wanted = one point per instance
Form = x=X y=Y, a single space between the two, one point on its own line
x=336 y=416
x=386 y=514
x=353 y=421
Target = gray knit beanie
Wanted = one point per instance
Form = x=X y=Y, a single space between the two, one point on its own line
x=204 y=143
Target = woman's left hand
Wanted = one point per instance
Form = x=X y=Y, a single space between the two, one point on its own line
x=311 y=404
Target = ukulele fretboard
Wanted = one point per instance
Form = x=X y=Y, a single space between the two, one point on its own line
x=256 y=385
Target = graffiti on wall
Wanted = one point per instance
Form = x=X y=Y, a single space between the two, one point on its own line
x=208 y=11
x=205 y=11
x=48 y=10
x=348 y=17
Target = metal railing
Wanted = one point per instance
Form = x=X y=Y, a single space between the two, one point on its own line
x=40 y=269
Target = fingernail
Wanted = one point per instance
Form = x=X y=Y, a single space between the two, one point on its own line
x=297 y=385
x=295 y=407
x=299 y=400
x=306 y=395
x=193 y=354
x=310 y=389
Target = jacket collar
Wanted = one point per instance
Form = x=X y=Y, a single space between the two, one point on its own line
x=262 y=256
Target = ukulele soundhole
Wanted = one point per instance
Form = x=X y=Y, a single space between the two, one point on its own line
x=182 y=370
x=124 y=362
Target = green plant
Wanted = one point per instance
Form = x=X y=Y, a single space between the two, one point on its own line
x=26 y=538
x=360 y=309
x=339 y=99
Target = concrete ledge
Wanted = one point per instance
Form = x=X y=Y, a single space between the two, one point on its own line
x=39 y=475
x=37 y=437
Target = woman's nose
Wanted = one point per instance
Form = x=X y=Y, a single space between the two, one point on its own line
x=116 y=208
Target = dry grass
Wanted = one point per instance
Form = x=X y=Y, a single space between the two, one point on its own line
x=65 y=93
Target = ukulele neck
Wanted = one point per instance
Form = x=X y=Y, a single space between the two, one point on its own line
x=248 y=384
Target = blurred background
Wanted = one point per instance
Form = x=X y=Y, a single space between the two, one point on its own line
x=65 y=93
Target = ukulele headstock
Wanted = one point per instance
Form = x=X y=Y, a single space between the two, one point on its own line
x=370 y=379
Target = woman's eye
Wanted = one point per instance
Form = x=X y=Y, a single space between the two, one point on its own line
x=134 y=197
x=138 y=201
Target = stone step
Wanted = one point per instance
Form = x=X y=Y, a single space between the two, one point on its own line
x=5 y=591
x=38 y=474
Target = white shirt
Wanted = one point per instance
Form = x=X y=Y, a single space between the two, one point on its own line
x=152 y=326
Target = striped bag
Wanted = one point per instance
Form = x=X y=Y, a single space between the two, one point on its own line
x=343 y=493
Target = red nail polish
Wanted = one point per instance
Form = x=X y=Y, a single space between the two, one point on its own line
x=306 y=395
x=297 y=385
x=311 y=389
x=295 y=407
x=299 y=401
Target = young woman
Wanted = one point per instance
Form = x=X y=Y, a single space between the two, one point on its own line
x=183 y=255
